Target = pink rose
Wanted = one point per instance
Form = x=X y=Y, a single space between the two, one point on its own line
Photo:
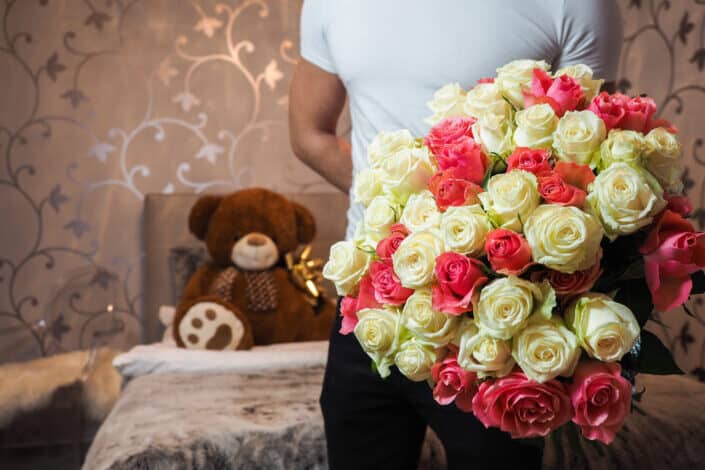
x=532 y=160
x=387 y=246
x=679 y=204
x=447 y=132
x=563 y=93
x=639 y=112
x=459 y=280
x=453 y=383
x=451 y=189
x=521 y=406
x=508 y=252
x=466 y=156
x=621 y=112
x=672 y=252
x=349 y=305
x=485 y=80
x=554 y=190
x=610 y=108
x=567 y=285
x=386 y=284
x=601 y=399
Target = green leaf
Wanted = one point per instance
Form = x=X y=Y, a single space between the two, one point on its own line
x=654 y=357
x=698 y=278
x=635 y=294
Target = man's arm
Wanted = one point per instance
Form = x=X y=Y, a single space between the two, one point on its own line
x=316 y=99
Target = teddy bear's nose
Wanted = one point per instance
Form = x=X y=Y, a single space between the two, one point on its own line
x=256 y=239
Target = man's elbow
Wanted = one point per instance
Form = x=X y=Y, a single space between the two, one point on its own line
x=298 y=146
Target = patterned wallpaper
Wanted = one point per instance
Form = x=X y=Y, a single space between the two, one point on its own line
x=104 y=101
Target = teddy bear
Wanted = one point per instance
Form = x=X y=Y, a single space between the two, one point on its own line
x=246 y=294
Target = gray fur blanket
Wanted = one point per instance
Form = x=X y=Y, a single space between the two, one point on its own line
x=214 y=421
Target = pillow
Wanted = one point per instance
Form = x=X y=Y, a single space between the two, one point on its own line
x=183 y=262
x=164 y=357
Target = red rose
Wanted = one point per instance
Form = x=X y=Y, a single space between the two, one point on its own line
x=453 y=383
x=522 y=407
x=485 y=80
x=575 y=174
x=387 y=246
x=450 y=189
x=447 y=132
x=508 y=252
x=567 y=285
x=466 y=156
x=601 y=399
x=679 y=204
x=672 y=252
x=556 y=191
x=459 y=280
x=349 y=306
x=386 y=284
x=563 y=93
x=532 y=160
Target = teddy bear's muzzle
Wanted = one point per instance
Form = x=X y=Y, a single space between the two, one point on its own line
x=255 y=252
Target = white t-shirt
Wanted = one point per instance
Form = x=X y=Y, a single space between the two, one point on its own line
x=393 y=54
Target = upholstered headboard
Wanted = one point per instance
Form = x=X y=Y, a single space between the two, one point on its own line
x=171 y=252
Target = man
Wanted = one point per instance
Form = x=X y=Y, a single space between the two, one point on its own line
x=388 y=57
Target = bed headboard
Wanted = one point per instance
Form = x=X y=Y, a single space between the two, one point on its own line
x=171 y=251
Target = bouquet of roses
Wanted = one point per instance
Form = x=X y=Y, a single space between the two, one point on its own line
x=512 y=256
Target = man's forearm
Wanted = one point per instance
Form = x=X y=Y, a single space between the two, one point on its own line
x=329 y=156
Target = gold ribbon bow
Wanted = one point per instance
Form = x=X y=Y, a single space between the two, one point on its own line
x=306 y=273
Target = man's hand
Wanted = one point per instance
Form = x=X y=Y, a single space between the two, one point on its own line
x=316 y=99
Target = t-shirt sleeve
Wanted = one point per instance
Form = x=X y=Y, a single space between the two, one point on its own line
x=591 y=34
x=314 y=41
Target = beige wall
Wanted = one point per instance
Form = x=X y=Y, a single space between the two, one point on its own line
x=112 y=99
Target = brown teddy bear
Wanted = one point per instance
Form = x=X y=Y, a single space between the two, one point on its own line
x=246 y=295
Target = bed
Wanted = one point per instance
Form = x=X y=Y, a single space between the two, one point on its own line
x=259 y=409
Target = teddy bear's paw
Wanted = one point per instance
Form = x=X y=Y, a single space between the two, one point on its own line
x=209 y=325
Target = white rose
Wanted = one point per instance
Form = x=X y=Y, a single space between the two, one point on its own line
x=583 y=74
x=464 y=229
x=378 y=219
x=421 y=212
x=563 y=238
x=494 y=133
x=429 y=326
x=515 y=77
x=606 y=329
x=621 y=146
x=663 y=159
x=367 y=186
x=406 y=172
x=483 y=354
x=377 y=331
x=546 y=349
x=506 y=304
x=578 y=137
x=535 y=127
x=415 y=360
x=448 y=101
x=485 y=98
x=625 y=199
x=510 y=198
x=387 y=143
x=415 y=258
x=346 y=265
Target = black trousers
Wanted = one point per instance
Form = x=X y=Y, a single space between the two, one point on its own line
x=372 y=422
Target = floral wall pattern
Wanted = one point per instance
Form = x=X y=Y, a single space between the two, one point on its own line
x=104 y=101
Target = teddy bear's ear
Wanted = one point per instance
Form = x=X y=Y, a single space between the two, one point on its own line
x=305 y=224
x=201 y=213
